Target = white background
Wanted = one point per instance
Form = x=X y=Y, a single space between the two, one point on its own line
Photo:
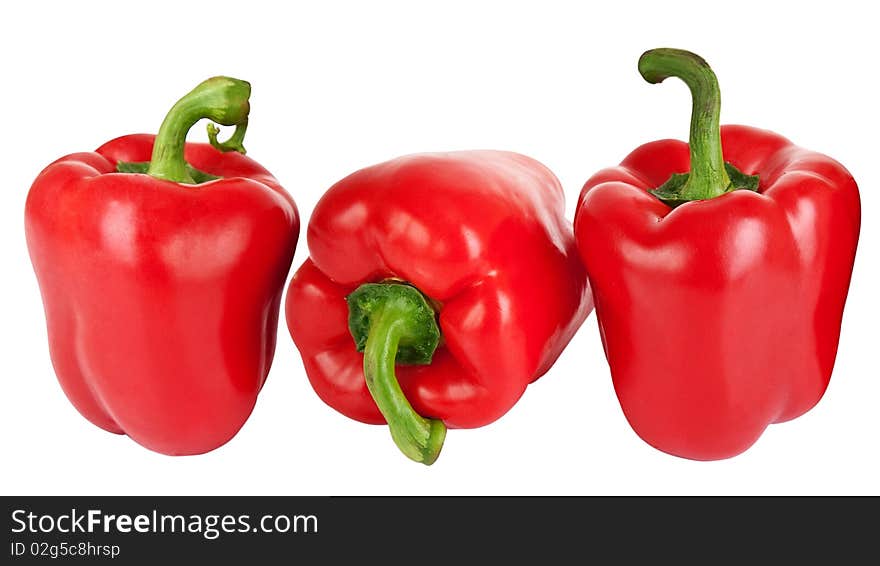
x=339 y=86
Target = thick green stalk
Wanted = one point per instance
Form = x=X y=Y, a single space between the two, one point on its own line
x=393 y=323
x=223 y=100
x=709 y=175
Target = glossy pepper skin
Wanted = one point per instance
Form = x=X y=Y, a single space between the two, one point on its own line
x=482 y=235
x=722 y=315
x=162 y=297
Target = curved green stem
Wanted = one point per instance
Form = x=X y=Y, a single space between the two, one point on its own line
x=420 y=439
x=393 y=323
x=221 y=99
x=708 y=177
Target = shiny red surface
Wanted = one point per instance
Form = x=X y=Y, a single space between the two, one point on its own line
x=483 y=234
x=721 y=316
x=161 y=299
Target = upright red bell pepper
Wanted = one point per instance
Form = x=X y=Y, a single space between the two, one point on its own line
x=162 y=290
x=456 y=274
x=719 y=309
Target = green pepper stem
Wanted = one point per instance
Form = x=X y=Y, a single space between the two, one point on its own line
x=708 y=177
x=221 y=99
x=420 y=439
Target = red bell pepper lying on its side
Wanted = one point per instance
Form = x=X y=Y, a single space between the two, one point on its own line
x=162 y=290
x=457 y=276
x=721 y=315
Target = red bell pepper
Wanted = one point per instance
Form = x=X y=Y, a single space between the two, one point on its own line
x=465 y=252
x=162 y=290
x=719 y=308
